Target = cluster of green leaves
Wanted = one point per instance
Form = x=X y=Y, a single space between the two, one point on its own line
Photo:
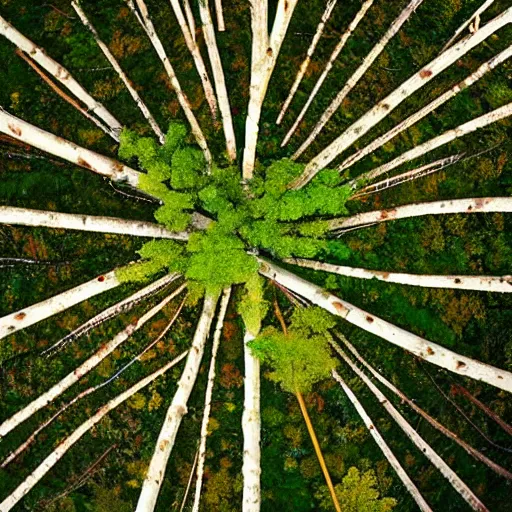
x=301 y=357
x=265 y=215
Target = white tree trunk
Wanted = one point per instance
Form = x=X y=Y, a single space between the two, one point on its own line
x=384 y=107
x=30 y=315
x=94 y=224
x=147 y=25
x=178 y=408
x=220 y=15
x=189 y=32
x=218 y=77
x=251 y=429
x=420 y=114
x=59 y=73
x=265 y=51
x=420 y=347
x=441 y=140
x=501 y=284
x=359 y=73
x=475 y=15
x=52 y=459
x=208 y=398
x=108 y=54
x=386 y=450
x=448 y=433
x=44 y=399
x=62 y=148
x=337 y=50
x=305 y=64
x=470 y=205
x=466 y=493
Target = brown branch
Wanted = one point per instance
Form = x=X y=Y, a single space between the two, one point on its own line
x=280 y=317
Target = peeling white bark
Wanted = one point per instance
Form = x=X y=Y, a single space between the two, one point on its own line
x=470 y=205
x=178 y=408
x=59 y=73
x=122 y=75
x=220 y=15
x=265 y=50
x=420 y=347
x=334 y=55
x=386 y=450
x=420 y=114
x=208 y=398
x=52 y=459
x=95 y=224
x=62 y=148
x=384 y=107
x=501 y=284
x=465 y=492
x=30 y=315
x=441 y=140
x=44 y=399
x=305 y=64
x=218 y=77
x=358 y=74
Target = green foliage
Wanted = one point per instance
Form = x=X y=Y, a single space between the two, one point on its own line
x=252 y=307
x=301 y=357
x=356 y=493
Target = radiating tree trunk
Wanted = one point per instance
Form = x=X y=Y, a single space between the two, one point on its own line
x=220 y=15
x=420 y=114
x=52 y=459
x=359 y=73
x=178 y=408
x=501 y=284
x=384 y=107
x=441 y=140
x=190 y=18
x=420 y=347
x=62 y=148
x=386 y=450
x=148 y=27
x=265 y=51
x=44 y=399
x=468 y=205
x=218 y=77
x=208 y=398
x=330 y=63
x=465 y=492
x=305 y=64
x=59 y=73
x=30 y=315
x=94 y=224
x=122 y=75
x=433 y=422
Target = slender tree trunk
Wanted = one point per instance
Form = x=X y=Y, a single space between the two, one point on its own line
x=384 y=107
x=433 y=422
x=190 y=18
x=147 y=25
x=469 y=205
x=94 y=224
x=441 y=140
x=305 y=64
x=393 y=461
x=420 y=114
x=30 y=315
x=501 y=284
x=44 y=399
x=465 y=492
x=218 y=77
x=208 y=398
x=59 y=73
x=358 y=74
x=337 y=50
x=220 y=15
x=122 y=75
x=178 y=408
x=420 y=347
x=52 y=459
x=57 y=146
